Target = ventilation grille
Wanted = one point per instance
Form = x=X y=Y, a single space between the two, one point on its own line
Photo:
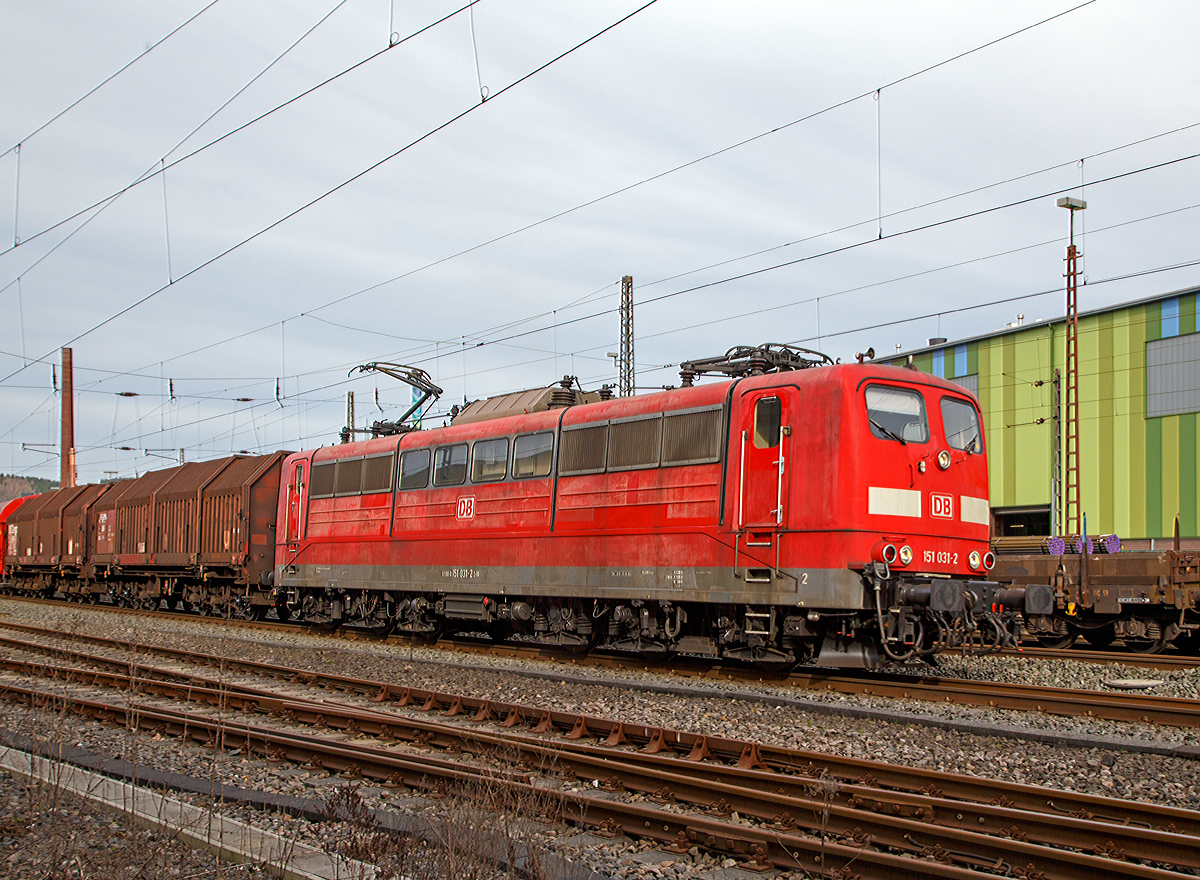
x=322 y=479
x=348 y=478
x=691 y=438
x=377 y=473
x=583 y=450
x=634 y=444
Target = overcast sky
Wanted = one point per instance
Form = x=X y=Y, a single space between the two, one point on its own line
x=862 y=180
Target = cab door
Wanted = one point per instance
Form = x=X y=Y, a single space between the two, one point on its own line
x=765 y=471
x=293 y=529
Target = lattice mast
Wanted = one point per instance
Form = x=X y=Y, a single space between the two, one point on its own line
x=1072 y=506
x=625 y=380
x=1056 y=463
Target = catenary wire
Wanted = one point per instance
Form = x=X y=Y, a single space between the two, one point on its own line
x=350 y=180
x=761 y=135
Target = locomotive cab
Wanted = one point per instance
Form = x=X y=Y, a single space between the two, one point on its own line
x=858 y=496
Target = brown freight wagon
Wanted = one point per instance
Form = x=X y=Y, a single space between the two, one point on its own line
x=200 y=534
x=1147 y=600
x=76 y=542
x=35 y=533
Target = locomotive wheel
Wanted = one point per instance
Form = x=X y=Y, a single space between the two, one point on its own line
x=1147 y=646
x=499 y=630
x=183 y=606
x=1057 y=642
x=1100 y=637
x=776 y=666
x=283 y=613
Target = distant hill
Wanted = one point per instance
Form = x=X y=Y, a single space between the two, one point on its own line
x=12 y=486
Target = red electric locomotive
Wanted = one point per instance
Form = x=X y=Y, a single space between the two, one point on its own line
x=839 y=511
x=799 y=508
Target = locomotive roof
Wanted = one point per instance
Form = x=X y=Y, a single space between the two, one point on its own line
x=705 y=394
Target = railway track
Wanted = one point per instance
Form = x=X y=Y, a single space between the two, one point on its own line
x=797 y=809
x=1165 y=662
x=691 y=665
x=1117 y=705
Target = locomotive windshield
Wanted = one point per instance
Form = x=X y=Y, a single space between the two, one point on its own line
x=961 y=424
x=897 y=414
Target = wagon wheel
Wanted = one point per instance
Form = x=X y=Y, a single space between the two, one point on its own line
x=1058 y=642
x=1100 y=637
x=183 y=606
x=235 y=610
x=1147 y=646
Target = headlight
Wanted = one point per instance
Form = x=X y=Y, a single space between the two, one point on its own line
x=905 y=555
x=943 y=459
x=974 y=560
x=884 y=551
x=989 y=560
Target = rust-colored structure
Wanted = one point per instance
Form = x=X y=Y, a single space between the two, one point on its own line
x=200 y=533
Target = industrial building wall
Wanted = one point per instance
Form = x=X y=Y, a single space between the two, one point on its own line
x=1138 y=468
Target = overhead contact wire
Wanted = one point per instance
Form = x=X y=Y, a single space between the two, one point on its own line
x=351 y=180
x=110 y=78
x=148 y=175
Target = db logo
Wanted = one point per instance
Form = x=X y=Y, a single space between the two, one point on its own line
x=940 y=506
x=466 y=508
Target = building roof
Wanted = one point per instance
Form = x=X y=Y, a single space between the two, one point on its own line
x=1040 y=322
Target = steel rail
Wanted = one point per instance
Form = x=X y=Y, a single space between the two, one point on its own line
x=1108 y=705
x=764 y=795
x=1127 y=658
x=684 y=782
x=790 y=761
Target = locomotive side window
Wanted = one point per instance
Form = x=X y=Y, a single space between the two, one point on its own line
x=377 y=473
x=450 y=465
x=583 y=450
x=321 y=481
x=347 y=479
x=961 y=424
x=691 y=437
x=532 y=455
x=414 y=469
x=634 y=444
x=766 y=423
x=489 y=460
x=897 y=414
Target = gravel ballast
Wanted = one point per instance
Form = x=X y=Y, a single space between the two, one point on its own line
x=760 y=712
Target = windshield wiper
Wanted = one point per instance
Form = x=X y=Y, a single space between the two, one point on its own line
x=891 y=434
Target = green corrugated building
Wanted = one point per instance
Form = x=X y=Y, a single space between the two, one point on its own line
x=1139 y=393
